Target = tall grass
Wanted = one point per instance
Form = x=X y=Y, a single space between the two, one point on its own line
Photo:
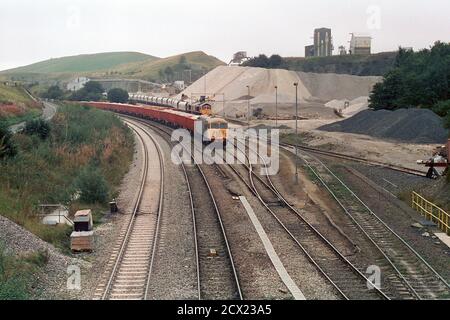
x=46 y=171
x=16 y=273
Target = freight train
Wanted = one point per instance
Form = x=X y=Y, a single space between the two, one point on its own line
x=214 y=129
x=201 y=107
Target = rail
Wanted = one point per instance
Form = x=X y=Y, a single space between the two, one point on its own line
x=166 y=131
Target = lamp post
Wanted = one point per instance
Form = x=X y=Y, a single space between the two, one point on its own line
x=296 y=132
x=276 y=106
x=223 y=97
x=248 y=107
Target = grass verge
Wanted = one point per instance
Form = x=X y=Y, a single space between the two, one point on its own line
x=47 y=171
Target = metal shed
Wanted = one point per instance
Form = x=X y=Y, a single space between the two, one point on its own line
x=83 y=220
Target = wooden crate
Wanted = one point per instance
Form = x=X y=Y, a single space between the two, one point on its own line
x=82 y=241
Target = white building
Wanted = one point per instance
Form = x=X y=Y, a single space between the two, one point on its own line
x=77 y=83
x=179 y=85
x=360 y=44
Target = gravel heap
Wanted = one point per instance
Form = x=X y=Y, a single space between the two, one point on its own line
x=52 y=280
x=314 y=89
x=405 y=125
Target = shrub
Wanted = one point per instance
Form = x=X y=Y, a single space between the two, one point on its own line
x=7 y=146
x=442 y=108
x=118 y=95
x=92 y=91
x=54 y=92
x=14 y=279
x=92 y=185
x=419 y=79
x=38 y=258
x=38 y=127
x=447 y=121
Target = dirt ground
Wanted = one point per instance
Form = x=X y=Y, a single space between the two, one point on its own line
x=392 y=152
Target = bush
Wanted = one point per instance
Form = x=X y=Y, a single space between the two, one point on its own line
x=38 y=258
x=38 y=127
x=14 y=279
x=54 y=92
x=419 y=79
x=92 y=185
x=118 y=95
x=50 y=171
x=7 y=146
x=447 y=122
x=92 y=91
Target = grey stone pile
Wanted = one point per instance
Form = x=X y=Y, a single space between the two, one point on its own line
x=405 y=125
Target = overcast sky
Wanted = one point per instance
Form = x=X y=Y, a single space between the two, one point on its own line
x=34 y=30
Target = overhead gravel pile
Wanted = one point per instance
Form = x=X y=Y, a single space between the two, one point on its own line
x=314 y=91
x=406 y=125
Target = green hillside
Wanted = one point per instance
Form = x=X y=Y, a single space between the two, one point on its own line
x=16 y=105
x=13 y=95
x=197 y=61
x=83 y=63
x=114 y=65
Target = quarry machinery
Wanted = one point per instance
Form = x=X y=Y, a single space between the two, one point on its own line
x=439 y=159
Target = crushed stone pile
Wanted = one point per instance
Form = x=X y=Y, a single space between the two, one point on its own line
x=19 y=241
x=405 y=125
x=314 y=90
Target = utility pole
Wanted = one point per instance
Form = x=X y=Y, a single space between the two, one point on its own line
x=296 y=132
x=205 y=82
x=276 y=106
x=223 y=97
x=248 y=107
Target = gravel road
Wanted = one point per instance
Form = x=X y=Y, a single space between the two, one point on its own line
x=47 y=114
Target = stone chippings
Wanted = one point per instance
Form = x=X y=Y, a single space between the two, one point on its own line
x=405 y=125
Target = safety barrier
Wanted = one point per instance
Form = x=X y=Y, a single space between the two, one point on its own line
x=431 y=212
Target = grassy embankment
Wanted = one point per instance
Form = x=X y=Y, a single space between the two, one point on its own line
x=16 y=105
x=16 y=273
x=82 y=140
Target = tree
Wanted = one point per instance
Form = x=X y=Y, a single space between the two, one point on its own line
x=118 y=95
x=418 y=79
x=38 y=127
x=183 y=60
x=275 y=61
x=169 y=73
x=442 y=108
x=92 y=185
x=7 y=146
x=54 y=92
x=262 y=61
x=92 y=91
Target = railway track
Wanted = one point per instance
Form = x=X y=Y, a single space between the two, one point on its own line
x=216 y=272
x=357 y=159
x=349 y=282
x=422 y=281
x=132 y=256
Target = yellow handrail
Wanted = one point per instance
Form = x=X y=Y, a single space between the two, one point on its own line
x=431 y=212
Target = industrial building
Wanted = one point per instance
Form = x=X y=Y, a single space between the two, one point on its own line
x=360 y=44
x=309 y=51
x=323 y=42
x=77 y=83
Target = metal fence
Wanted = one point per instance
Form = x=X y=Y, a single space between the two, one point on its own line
x=431 y=212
